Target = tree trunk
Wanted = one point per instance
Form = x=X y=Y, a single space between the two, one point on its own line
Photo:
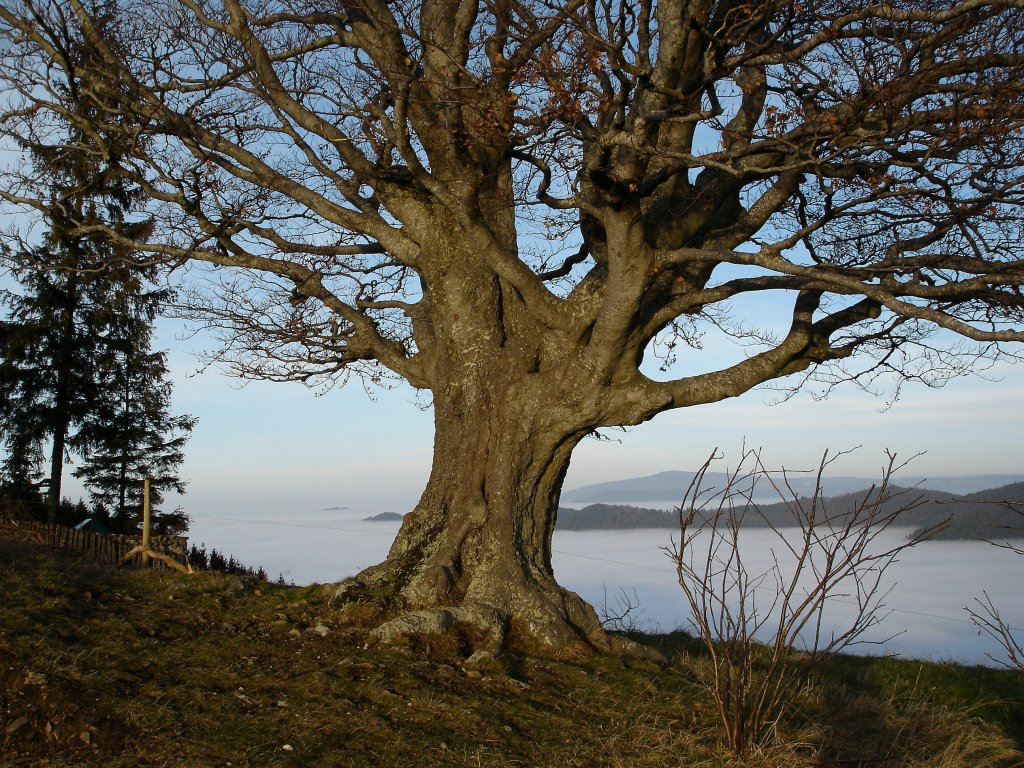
x=56 y=474
x=122 y=491
x=478 y=544
x=122 y=475
x=62 y=395
x=511 y=402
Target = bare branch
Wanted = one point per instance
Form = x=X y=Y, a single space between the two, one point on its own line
x=765 y=631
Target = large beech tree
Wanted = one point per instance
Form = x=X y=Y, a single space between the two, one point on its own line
x=510 y=202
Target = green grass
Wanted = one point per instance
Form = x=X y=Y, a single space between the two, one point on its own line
x=157 y=669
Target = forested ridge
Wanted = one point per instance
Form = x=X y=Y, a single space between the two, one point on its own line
x=989 y=514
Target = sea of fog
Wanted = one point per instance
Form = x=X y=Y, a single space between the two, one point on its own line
x=930 y=585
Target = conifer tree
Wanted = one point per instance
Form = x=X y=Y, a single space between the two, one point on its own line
x=47 y=362
x=81 y=317
x=132 y=435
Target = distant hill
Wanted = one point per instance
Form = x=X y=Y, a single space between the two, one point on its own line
x=928 y=509
x=670 y=486
x=599 y=517
x=996 y=513
x=383 y=517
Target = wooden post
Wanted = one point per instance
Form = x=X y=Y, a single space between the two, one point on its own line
x=145 y=522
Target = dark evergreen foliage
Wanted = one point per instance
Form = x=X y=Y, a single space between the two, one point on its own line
x=46 y=362
x=61 y=313
x=76 y=369
x=214 y=560
x=132 y=435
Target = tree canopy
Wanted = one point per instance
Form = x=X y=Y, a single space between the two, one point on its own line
x=48 y=347
x=508 y=202
x=77 y=373
x=76 y=369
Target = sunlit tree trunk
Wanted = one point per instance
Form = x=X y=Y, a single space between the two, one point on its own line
x=62 y=392
x=508 y=411
x=480 y=536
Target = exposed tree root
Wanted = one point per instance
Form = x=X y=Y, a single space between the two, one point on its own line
x=494 y=629
x=437 y=621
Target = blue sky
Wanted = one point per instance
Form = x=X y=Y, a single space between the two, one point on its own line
x=276 y=446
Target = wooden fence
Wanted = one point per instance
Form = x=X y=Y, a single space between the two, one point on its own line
x=112 y=549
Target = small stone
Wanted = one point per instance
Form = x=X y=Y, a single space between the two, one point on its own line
x=427 y=622
x=321 y=630
x=35 y=678
x=279 y=627
x=480 y=657
x=294 y=633
x=282 y=703
x=288 y=748
x=85 y=737
x=12 y=727
x=473 y=674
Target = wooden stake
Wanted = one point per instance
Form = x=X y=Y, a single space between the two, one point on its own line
x=146 y=553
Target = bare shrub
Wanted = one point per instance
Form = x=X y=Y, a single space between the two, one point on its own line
x=621 y=613
x=763 y=630
x=987 y=618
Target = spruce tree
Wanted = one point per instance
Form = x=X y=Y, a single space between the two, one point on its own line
x=47 y=361
x=132 y=435
x=79 y=320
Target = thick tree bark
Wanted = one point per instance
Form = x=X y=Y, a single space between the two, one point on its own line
x=480 y=537
x=512 y=398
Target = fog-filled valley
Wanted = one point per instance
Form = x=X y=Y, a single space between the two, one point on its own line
x=931 y=584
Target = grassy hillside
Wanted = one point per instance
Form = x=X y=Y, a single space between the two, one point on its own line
x=156 y=669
